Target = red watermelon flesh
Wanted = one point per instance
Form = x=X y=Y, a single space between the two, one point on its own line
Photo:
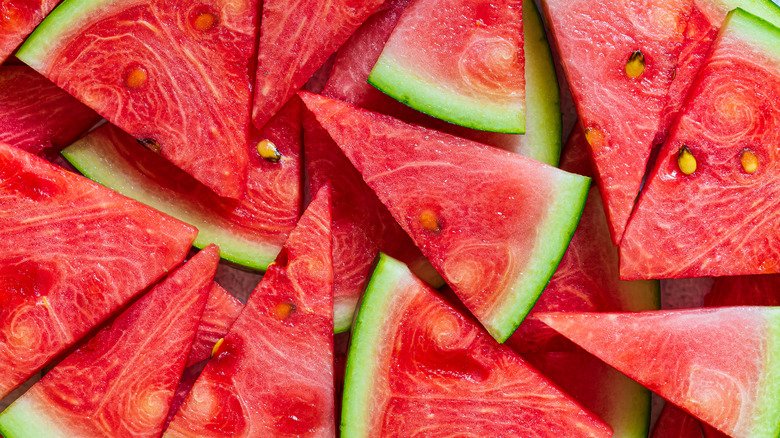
x=711 y=432
x=748 y=290
x=36 y=114
x=362 y=226
x=121 y=383
x=587 y=278
x=296 y=38
x=473 y=210
x=172 y=73
x=676 y=423
x=188 y=378
x=719 y=220
x=73 y=252
x=718 y=364
x=17 y=19
x=221 y=311
x=419 y=367
x=273 y=374
x=250 y=231
x=621 y=114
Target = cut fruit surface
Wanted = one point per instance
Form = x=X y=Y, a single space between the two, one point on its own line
x=251 y=231
x=619 y=59
x=718 y=364
x=36 y=114
x=220 y=312
x=747 y=290
x=273 y=373
x=121 y=383
x=418 y=366
x=172 y=73
x=296 y=38
x=461 y=61
x=72 y=253
x=17 y=19
x=708 y=208
x=493 y=224
x=676 y=423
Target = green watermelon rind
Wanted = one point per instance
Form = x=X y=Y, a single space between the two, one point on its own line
x=765 y=9
x=23 y=420
x=233 y=248
x=364 y=347
x=629 y=395
x=754 y=30
x=544 y=122
x=61 y=21
x=553 y=238
x=765 y=418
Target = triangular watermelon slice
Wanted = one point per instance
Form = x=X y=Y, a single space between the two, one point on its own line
x=251 y=231
x=676 y=423
x=362 y=226
x=619 y=76
x=121 y=383
x=17 y=19
x=460 y=61
x=272 y=375
x=708 y=208
x=720 y=364
x=220 y=312
x=36 y=114
x=494 y=224
x=72 y=253
x=542 y=139
x=417 y=365
x=172 y=73
x=295 y=40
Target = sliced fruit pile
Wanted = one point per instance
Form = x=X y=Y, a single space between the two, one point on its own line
x=390 y=168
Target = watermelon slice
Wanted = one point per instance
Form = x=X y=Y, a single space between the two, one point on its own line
x=273 y=373
x=36 y=114
x=419 y=367
x=720 y=156
x=461 y=61
x=73 y=252
x=17 y=19
x=172 y=73
x=221 y=311
x=619 y=401
x=748 y=290
x=676 y=423
x=718 y=364
x=249 y=232
x=121 y=383
x=542 y=139
x=494 y=224
x=362 y=226
x=619 y=59
x=587 y=278
x=295 y=40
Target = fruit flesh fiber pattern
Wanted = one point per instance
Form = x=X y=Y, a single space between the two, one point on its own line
x=121 y=383
x=221 y=311
x=81 y=253
x=274 y=372
x=19 y=18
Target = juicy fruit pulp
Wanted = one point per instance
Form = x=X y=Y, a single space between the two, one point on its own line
x=273 y=373
x=418 y=366
x=251 y=231
x=121 y=383
x=73 y=252
x=124 y=58
x=221 y=311
x=720 y=219
x=487 y=249
x=461 y=61
x=17 y=19
x=718 y=364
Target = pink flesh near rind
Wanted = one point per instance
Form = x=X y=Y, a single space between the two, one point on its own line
x=121 y=383
x=273 y=374
x=73 y=253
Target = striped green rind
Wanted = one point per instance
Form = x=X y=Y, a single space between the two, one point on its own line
x=766 y=417
x=63 y=19
x=25 y=419
x=365 y=345
x=234 y=247
x=754 y=30
x=765 y=9
x=552 y=240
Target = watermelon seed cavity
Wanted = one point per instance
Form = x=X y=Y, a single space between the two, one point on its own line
x=635 y=65
x=686 y=161
x=284 y=310
x=749 y=161
x=136 y=77
x=429 y=221
x=593 y=136
x=204 y=21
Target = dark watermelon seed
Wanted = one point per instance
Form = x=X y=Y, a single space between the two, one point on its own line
x=150 y=144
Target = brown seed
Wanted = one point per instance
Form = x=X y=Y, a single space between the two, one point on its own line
x=749 y=161
x=686 y=161
x=136 y=77
x=635 y=66
x=284 y=310
x=429 y=221
x=204 y=21
x=150 y=144
x=268 y=151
